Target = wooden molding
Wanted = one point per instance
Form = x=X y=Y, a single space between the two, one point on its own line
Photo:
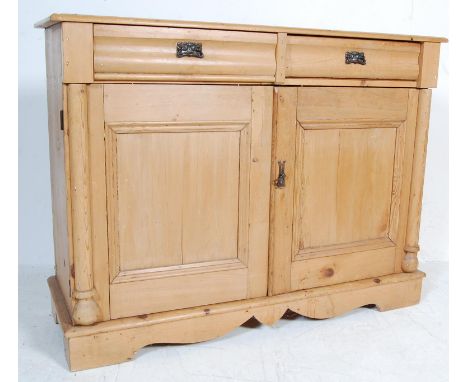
x=410 y=260
x=95 y=98
x=175 y=127
x=62 y=17
x=86 y=311
x=339 y=249
x=357 y=82
x=406 y=148
x=177 y=270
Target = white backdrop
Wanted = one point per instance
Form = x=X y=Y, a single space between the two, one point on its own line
x=423 y=17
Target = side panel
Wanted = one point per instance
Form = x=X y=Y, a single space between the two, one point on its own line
x=58 y=162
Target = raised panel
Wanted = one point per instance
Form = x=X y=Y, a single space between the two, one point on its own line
x=344 y=186
x=178 y=196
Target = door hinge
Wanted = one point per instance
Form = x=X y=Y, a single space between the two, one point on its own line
x=61 y=120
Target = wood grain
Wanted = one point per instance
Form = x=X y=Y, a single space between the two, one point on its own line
x=58 y=153
x=281 y=199
x=171 y=195
x=259 y=194
x=410 y=260
x=281 y=58
x=350 y=183
x=350 y=266
x=349 y=104
x=343 y=186
x=324 y=57
x=349 y=82
x=85 y=311
x=428 y=65
x=119 y=340
x=339 y=249
x=184 y=291
x=77 y=58
x=398 y=235
x=182 y=78
x=176 y=103
x=98 y=197
x=61 y=17
x=128 y=50
x=168 y=222
x=184 y=190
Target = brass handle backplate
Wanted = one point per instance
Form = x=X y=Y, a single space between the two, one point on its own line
x=280 y=182
x=189 y=49
x=355 y=58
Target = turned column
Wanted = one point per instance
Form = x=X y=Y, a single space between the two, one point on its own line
x=410 y=260
x=86 y=311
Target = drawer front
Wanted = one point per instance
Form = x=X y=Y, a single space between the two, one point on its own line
x=351 y=58
x=150 y=54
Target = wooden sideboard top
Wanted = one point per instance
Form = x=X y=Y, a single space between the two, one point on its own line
x=61 y=17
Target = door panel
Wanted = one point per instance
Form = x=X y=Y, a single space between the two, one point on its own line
x=344 y=186
x=343 y=208
x=179 y=189
x=184 y=180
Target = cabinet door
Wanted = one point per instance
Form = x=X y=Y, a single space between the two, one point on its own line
x=341 y=215
x=187 y=171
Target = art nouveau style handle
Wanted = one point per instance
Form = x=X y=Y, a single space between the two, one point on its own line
x=189 y=49
x=355 y=58
x=280 y=182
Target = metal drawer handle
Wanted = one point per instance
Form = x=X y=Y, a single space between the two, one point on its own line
x=355 y=58
x=189 y=49
x=280 y=182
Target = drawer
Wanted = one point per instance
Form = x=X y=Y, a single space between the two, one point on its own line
x=328 y=57
x=134 y=53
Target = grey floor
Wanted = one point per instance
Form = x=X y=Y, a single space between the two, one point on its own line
x=408 y=344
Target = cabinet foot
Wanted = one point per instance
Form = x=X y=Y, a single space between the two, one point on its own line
x=410 y=260
x=119 y=340
x=53 y=311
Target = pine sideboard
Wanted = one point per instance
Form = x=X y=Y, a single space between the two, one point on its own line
x=204 y=174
